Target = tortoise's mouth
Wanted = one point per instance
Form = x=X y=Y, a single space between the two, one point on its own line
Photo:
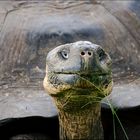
x=96 y=73
x=82 y=81
x=75 y=85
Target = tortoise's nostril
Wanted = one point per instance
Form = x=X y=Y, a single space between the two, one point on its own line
x=82 y=53
x=86 y=53
x=89 y=53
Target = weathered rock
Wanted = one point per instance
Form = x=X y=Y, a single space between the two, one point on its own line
x=25 y=102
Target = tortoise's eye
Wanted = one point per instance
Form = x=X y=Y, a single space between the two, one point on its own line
x=64 y=54
x=101 y=54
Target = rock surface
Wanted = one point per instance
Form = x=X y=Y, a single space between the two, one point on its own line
x=26 y=102
x=126 y=95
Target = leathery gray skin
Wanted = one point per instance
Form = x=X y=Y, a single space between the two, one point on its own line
x=78 y=76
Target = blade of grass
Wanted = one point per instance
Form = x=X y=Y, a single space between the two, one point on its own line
x=115 y=114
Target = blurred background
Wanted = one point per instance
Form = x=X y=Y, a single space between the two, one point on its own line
x=29 y=29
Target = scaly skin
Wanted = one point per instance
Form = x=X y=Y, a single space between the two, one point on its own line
x=78 y=76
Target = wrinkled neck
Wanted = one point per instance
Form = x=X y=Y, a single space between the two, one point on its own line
x=81 y=125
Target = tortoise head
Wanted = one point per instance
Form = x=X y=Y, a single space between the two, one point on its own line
x=81 y=68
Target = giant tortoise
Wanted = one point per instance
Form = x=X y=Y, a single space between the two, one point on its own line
x=78 y=76
x=30 y=29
